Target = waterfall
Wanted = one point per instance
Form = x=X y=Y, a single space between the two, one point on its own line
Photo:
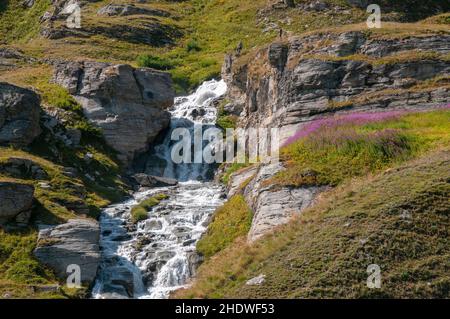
x=158 y=255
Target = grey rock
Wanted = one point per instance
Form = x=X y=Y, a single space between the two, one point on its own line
x=15 y=198
x=129 y=9
x=145 y=180
x=28 y=3
x=23 y=168
x=306 y=88
x=238 y=178
x=358 y=3
x=19 y=115
x=278 y=55
x=75 y=242
x=127 y=104
x=257 y=281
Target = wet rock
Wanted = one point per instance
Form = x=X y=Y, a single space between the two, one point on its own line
x=16 y=200
x=124 y=278
x=145 y=180
x=194 y=261
x=110 y=93
x=75 y=242
x=110 y=291
x=19 y=115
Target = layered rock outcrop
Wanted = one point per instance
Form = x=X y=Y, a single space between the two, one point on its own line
x=127 y=104
x=272 y=206
x=300 y=79
x=73 y=243
x=19 y=115
x=304 y=78
x=141 y=27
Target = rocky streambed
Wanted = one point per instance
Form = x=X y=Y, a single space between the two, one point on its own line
x=157 y=255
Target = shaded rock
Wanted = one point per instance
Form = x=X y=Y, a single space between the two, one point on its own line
x=358 y=3
x=127 y=104
x=19 y=115
x=15 y=198
x=278 y=55
x=23 y=168
x=124 y=278
x=145 y=180
x=75 y=242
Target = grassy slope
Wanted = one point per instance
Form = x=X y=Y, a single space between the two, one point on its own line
x=230 y=221
x=356 y=224
x=398 y=220
x=331 y=154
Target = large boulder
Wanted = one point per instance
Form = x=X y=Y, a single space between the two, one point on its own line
x=127 y=104
x=19 y=115
x=73 y=243
x=15 y=199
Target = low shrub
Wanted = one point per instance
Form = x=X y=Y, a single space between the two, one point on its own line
x=155 y=62
x=232 y=220
x=140 y=212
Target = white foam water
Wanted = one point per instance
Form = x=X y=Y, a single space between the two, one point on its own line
x=158 y=255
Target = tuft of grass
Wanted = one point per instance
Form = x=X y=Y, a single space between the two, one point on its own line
x=18 y=23
x=232 y=220
x=140 y=211
x=398 y=220
x=193 y=46
x=155 y=62
x=16 y=258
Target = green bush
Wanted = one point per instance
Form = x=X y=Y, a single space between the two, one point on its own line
x=155 y=62
x=140 y=212
x=231 y=221
x=192 y=45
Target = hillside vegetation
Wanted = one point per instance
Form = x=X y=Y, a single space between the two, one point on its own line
x=200 y=31
x=398 y=220
x=387 y=209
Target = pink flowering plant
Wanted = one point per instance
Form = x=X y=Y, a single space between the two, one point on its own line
x=330 y=150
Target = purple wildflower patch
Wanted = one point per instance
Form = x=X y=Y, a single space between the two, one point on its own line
x=342 y=120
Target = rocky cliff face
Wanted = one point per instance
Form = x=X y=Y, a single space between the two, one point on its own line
x=127 y=104
x=300 y=79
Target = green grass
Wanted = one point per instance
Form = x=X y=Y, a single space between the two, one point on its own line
x=19 y=270
x=155 y=62
x=232 y=220
x=18 y=23
x=330 y=156
x=140 y=211
x=398 y=219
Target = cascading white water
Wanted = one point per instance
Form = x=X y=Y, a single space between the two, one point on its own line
x=158 y=256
